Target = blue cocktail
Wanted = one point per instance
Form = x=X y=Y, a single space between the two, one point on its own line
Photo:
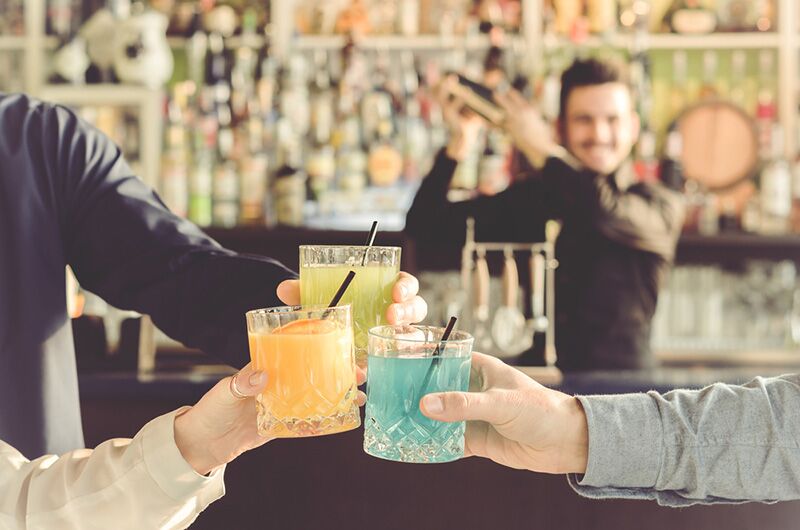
x=401 y=369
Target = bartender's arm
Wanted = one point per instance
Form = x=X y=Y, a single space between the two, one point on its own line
x=127 y=247
x=721 y=444
x=516 y=214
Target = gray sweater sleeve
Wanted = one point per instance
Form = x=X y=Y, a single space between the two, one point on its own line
x=721 y=444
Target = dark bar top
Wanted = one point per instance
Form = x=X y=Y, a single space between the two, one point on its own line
x=328 y=482
x=192 y=384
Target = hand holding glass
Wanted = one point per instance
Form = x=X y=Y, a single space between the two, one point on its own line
x=402 y=368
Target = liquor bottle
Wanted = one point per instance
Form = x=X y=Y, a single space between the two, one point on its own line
x=567 y=13
x=321 y=159
x=377 y=104
x=294 y=97
x=550 y=92
x=738 y=94
x=62 y=18
x=493 y=174
x=796 y=187
x=678 y=97
x=322 y=101
x=602 y=15
x=201 y=182
x=244 y=69
x=671 y=171
x=254 y=170
x=415 y=142
x=408 y=17
x=766 y=110
x=385 y=162
x=12 y=18
x=646 y=164
x=225 y=195
x=776 y=188
x=351 y=160
x=175 y=160
x=709 y=89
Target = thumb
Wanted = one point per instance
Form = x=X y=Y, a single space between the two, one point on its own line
x=289 y=292
x=466 y=406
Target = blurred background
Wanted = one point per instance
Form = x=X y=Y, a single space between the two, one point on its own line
x=270 y=122
x=277 y=123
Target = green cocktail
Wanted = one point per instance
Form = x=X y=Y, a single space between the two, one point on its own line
x=323 y=268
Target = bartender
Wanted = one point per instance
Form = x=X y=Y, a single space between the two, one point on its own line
x=618 y=236
x=68 y=197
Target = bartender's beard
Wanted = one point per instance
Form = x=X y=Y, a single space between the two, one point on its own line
x=602 y=158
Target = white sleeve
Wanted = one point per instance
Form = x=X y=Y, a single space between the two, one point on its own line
x=138 y=483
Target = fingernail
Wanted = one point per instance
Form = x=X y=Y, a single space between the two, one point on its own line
x=403 y=291
x=256 y=378
x=399 y=312
x=433 y=404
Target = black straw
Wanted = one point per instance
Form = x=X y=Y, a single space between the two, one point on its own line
x=370 y=241
x=436 y=355
x=446 y=335
x=342 y=289
x=339 y=293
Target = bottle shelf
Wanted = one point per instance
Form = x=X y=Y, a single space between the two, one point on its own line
x=253 y=41
x=671 y=41
x=11 y=42
x=100 y=94
x=398 y=42
x=20 y=42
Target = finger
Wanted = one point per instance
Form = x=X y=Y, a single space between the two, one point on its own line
x=405 y=288
x=468 y=406
x=518 y=99
x=445 y=88
x=361 y=399
x=408 y=313
x=361 y=375
x=247 y=381
x=488 y=372
x=503 y=100
x=289 y=292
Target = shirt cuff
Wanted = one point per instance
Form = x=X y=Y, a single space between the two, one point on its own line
x=444 y=162
x=171 y=471
x=625 y=441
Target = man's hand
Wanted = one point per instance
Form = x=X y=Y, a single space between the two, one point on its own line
x=465 y=126
x=527 y=128
x=222 y=425
x=514 y=420
x=407 y=308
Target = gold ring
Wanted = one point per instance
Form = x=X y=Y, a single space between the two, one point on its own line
x=235 y=389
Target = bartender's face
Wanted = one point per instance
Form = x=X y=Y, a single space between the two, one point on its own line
x=600 y=126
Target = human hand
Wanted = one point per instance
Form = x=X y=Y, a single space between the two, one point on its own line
x=465 y=126
x=407 y=308
x=515 y=421
x=222 y=425
x=525 y=125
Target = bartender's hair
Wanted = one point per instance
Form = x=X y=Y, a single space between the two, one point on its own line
x=588 y=72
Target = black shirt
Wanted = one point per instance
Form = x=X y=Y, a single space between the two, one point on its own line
x=617 y=240
x=67 y=197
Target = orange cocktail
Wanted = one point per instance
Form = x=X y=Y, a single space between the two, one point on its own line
x=308 y=356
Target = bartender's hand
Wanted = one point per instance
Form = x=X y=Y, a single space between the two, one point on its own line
x=222 y=425
x=515 y=421
x=407 y=308
x=527 y=128
x=465 y=126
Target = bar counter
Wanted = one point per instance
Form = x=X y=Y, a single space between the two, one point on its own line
x=329 y=482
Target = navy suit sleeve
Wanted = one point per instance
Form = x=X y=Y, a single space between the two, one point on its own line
x=127 y=247
x=516 y=214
